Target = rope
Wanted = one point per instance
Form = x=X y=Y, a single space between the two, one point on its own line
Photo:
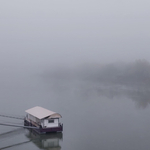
x=15 y=125
x=21 y=118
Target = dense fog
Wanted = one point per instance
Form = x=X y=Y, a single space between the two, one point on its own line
x=128 y=74
x=130 y=80
x=87 y=60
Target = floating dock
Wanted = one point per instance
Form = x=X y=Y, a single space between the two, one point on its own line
x=43 y=120
x=39 y=119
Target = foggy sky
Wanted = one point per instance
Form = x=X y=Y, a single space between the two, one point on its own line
x=53 y=32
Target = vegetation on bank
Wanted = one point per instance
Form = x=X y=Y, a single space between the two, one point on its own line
x=130 y=74
x=135 y=74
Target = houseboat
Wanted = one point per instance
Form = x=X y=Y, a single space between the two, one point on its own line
x=43 y=120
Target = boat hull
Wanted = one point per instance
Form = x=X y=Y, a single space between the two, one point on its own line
x=44 y=130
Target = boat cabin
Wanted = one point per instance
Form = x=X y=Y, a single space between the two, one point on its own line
x=42 y=117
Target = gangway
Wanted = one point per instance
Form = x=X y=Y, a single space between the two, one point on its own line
x=15 y=125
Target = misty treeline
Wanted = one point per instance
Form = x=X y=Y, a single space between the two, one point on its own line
x=133 y=74
x=131 y=80
x=130 y=74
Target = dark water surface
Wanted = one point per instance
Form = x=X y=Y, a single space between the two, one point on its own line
x=95 y=116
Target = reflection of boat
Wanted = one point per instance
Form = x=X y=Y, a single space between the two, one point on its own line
x=43 y=120
x=45 y=141
x=49 y=141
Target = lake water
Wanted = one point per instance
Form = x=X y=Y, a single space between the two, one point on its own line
x=95 y=116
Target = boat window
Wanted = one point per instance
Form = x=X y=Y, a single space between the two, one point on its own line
x=51 y=121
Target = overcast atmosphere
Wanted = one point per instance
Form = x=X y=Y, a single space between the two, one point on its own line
x=88 y=61
x=72 y=32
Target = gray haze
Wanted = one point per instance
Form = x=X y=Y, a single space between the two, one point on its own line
x=54 y=32
x=87 y=60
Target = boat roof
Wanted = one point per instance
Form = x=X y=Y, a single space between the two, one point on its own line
x=41 y=113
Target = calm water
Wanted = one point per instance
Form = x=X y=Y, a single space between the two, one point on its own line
x=95 y=116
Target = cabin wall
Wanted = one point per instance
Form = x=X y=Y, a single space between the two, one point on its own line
x=47 y=124
x=42 y=123
x=34 y=119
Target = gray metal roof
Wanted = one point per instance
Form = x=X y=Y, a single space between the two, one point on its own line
x=41 y=113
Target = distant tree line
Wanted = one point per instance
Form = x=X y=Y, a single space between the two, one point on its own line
x=133 y=74
x=130 y=74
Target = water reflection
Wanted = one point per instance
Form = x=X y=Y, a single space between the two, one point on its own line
x=141 y=96
x=7 y=136
x=138 y=91
x=46 y=141
x=11 y=133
